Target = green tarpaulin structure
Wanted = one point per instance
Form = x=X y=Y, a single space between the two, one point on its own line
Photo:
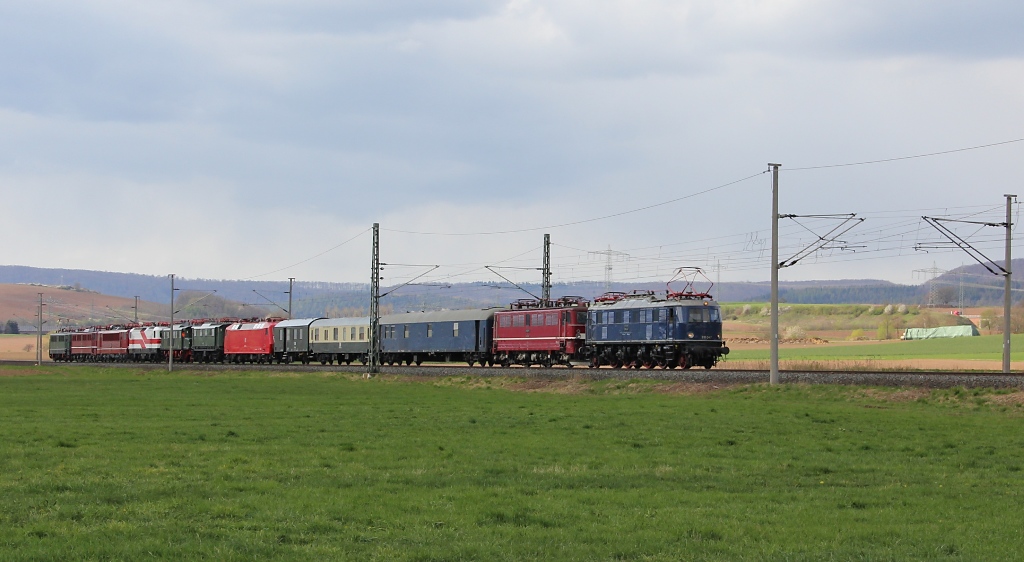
x=943 y=332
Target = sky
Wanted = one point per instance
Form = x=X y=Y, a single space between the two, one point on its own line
x=262 y=139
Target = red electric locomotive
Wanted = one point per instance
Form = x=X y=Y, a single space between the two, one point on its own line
x=250 y=341
x=83 y=345
x=112 y=344
x=532 y=332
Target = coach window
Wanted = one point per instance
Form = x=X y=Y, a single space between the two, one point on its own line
x=625 y=317
x=405 y=331
x=455 y=329
x=362 y=333
x=335 y=334
x=430 y=330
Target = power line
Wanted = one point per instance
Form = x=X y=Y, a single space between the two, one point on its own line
x=331 y=249
x=584 y=221
x=898 y=158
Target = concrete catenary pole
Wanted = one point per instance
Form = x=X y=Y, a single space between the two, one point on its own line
x=1006 y=289
x=291 y=283
x=136 y=309
x=373 y=364
x=39 y=333
x=170 y=342
x=545 y=283
x=773 y=377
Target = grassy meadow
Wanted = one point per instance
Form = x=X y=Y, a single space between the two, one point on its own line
x=125 y=464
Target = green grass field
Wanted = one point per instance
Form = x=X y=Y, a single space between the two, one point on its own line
x=124 y=464
x=979 y=347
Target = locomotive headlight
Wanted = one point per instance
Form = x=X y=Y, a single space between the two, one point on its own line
x=689 y=335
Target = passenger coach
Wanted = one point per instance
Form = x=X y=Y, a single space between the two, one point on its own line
x=341 y=340
x=449 y=335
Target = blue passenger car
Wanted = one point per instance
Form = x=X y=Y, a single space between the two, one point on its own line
x=450 y=335
x=643 y=330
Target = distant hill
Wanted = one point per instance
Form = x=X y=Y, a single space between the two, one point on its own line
x=314 y=298
x=70 y=307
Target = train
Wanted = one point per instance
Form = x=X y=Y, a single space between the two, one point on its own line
x=639 y=329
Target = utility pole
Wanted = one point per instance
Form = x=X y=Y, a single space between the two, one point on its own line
x=960 y=301
x=373 y=365
x=986 y=262
x=773 y=377
x=933 y=290
x=545 y=283
x=170 y=343
x=39 y=334
x=136 y=309
x=1006 y=289
x=609 y=256
x=291 y=283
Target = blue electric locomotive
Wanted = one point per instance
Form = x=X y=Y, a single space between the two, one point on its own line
x=643 y=330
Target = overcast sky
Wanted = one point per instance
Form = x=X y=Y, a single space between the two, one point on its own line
x=246 y=139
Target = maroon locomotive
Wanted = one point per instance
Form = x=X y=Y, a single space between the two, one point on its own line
x=532 y=332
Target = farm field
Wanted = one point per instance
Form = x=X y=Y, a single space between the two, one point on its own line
x=124 y=464
x=20 y=347
x=973 y=353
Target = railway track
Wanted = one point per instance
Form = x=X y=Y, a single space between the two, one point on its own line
x=924 y=379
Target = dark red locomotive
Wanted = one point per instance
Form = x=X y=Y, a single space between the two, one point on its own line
x=531 y=332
